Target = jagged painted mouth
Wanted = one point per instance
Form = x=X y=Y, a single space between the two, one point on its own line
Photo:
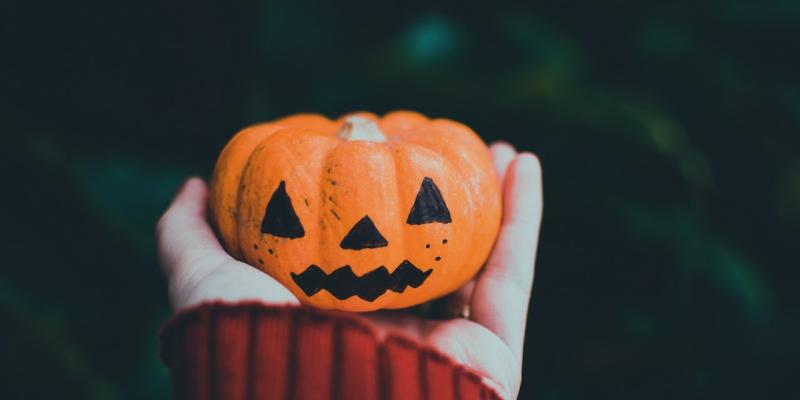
x=343 y=283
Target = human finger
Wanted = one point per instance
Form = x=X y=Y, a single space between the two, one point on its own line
x=502 y=292
x=502 y=155
x=183 y=237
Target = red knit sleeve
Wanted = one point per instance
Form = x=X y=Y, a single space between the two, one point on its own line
x=255 y=351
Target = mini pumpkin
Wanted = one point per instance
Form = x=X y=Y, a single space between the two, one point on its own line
x=359 y=213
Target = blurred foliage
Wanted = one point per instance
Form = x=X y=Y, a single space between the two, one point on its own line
x=668 y=133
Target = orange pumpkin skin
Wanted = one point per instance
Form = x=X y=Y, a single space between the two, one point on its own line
x=332 y=183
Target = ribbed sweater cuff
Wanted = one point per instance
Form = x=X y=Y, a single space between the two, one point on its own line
x=251 y=350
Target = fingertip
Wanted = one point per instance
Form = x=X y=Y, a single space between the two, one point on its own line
x=525 y=170
x=192 y=192
x=502 y=146
x=528 y=162
x=182 y=186
x=193 y=184
x=523 y=189
x=502 y=155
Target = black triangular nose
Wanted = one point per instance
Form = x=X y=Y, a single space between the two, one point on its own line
x=363 y=235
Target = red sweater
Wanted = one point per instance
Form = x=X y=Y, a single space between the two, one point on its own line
x=256 y=351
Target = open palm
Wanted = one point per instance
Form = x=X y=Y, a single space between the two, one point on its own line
x=489 y=341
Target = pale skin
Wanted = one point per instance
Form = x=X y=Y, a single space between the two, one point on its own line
x=489 y=341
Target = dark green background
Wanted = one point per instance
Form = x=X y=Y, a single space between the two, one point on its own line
x=669 y=134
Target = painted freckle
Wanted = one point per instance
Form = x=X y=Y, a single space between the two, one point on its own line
x=306 y=201
x=437 y=258
x=428 y=246
x=255 y=246
x=444 y=241
x=260 y=261
x=270 y=251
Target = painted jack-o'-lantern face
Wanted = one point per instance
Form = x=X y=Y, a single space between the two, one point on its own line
x=361 y=213
x=281 y=220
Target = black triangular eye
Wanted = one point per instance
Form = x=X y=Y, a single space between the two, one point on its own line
x=279 y=218
x=363 y=235
x=429 y=205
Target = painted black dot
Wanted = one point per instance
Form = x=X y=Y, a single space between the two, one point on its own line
x=428 y=246
x=444 y=241
x=255 y=246
x=260 y=261
x=438 y=258
x=269 y=251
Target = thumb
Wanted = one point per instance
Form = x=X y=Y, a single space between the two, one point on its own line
x=182 y=234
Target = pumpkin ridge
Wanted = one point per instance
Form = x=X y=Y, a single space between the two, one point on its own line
x=401 y=120
x=413 y=151
x=241 y=188
x=341 y=159
x=227 y=167
x=479 y=159
x=324 y=175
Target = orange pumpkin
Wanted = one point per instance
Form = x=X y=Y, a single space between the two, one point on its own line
x=361 y=213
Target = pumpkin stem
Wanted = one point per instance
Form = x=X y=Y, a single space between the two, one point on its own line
x=358 y=128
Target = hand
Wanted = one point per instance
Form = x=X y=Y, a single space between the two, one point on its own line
x=490 y=342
